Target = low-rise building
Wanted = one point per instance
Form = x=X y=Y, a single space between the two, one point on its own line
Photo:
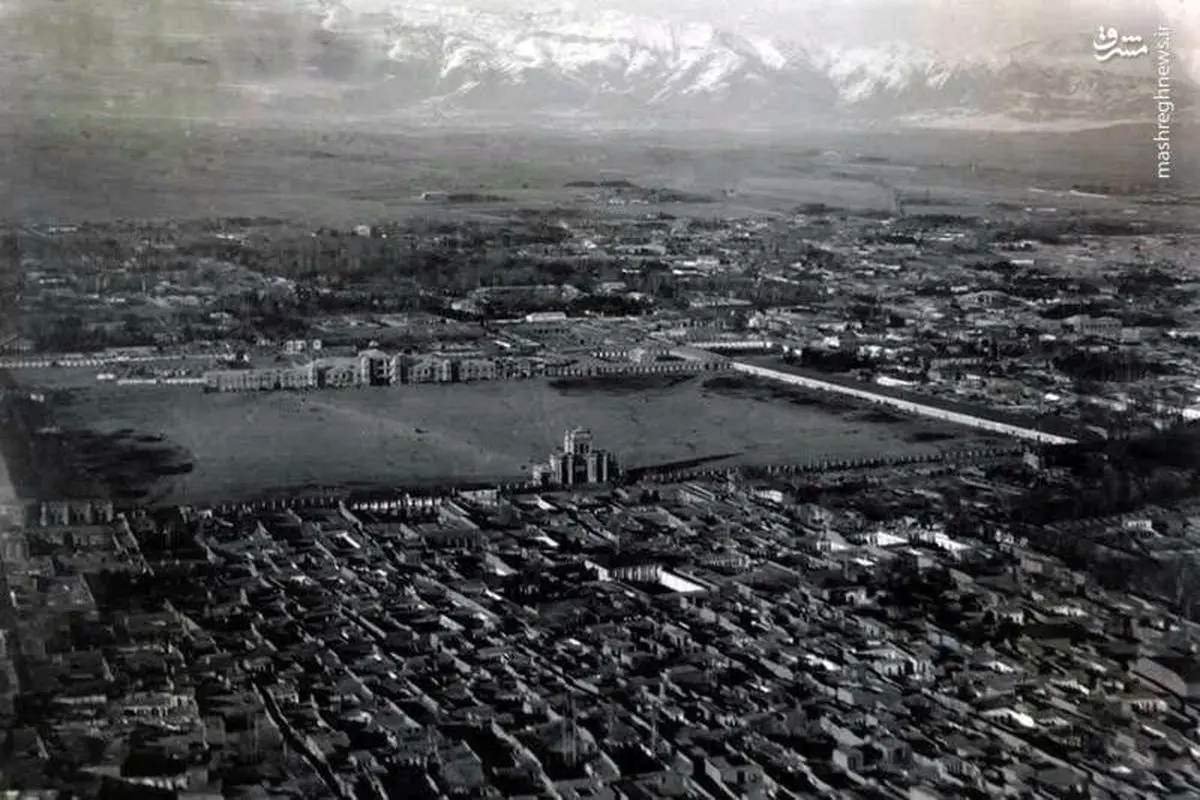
x=377 y=368
x=430 y=369
x=339 y=373
x=253 y=380
x=474 y=369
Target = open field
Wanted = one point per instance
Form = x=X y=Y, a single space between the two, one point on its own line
x=248 y=445
x=97 y=169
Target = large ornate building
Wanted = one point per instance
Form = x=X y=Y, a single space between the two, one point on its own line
x=577 y=463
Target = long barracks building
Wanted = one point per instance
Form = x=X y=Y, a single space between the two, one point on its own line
x=949 y=411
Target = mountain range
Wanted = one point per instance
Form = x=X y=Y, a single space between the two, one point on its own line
x=575 y=65
x=444 y=60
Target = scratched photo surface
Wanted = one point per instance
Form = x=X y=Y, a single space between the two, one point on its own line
x=612 y=399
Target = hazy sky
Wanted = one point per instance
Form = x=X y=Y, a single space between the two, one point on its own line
x=946 y=23
x=933 y=23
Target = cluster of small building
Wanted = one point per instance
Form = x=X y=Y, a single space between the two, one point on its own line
x=950 y=314
x=703 y=639
x=720 y=638
x=945 y=306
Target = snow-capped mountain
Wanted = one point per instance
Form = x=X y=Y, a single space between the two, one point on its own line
x=445 y=58
x=484 y=57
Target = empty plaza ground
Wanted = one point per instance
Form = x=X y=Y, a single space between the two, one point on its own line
x=247 y=445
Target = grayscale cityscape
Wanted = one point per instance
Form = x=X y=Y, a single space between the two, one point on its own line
x=599 y=400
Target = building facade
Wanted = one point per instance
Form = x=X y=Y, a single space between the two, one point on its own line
x=429 y=370
x=259 y=380
x=578 y=463
x=377 y=368
x=341 y=373
x=475 y=369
